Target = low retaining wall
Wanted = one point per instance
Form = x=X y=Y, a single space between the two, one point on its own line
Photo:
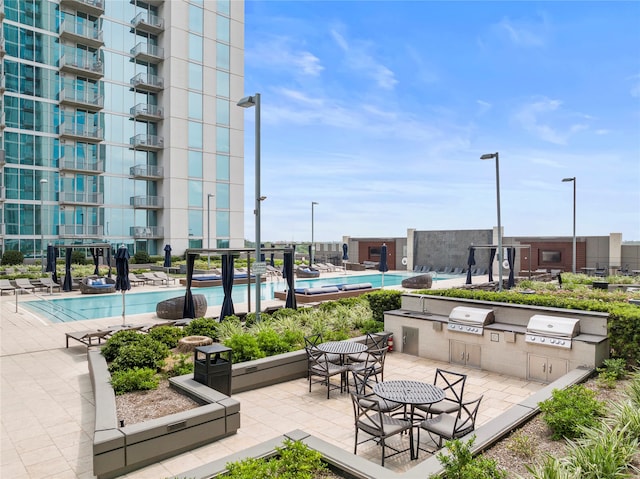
x=118 y=450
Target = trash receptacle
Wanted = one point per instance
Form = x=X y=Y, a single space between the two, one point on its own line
x=212 y=367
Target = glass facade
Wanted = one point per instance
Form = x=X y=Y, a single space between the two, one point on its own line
x=85 y=106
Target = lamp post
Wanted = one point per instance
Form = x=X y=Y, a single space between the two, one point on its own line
x=43 y=182
x=573 y=256
x=490 y=156
x=248 y=102
x=209 y=196
x=313 y=246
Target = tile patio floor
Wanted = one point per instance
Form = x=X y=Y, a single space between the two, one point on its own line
x=47 y=411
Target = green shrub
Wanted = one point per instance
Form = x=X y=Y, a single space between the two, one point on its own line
x=168 y=335
x=384 y=300
x=245 y=347
x=111 y=349
x=294 y=461
x=12 y=257
x=612 y=371
x=141 y=257
x=371 y=326
x=134 y=380
x=182 y=366
x=272 y=343
x=147 y=353
x=78 y=257
x=202 y=327
x=569 y=410
x=460 y=463
x=521 y=445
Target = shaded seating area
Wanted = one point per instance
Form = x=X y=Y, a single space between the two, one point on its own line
x=210 y=280
x=97 y=285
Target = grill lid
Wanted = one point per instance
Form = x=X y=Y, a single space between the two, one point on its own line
x=553 y=326
x=471 y=316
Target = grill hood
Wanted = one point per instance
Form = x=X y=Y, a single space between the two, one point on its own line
x=553 y=326
x=464 y=319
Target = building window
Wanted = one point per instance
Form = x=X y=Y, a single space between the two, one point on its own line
x=195 y=77
x=195 y=18
x=195 y=193
x=224 y=7
x=222 y=167
x=222 y=224
x=222 y=84
x=222 y=139
x=550 y=257
x=195 y=223
x=195 y=164
x=195 y=47
x=222 y=28
x=222 y=111
x=222 y=196
x=195 y=105
x=195 y=135
x=222 y=56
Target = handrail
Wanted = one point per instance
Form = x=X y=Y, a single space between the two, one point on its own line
x=57 y=308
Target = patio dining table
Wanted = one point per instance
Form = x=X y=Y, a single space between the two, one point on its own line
x=410 y=393
x=342 y=349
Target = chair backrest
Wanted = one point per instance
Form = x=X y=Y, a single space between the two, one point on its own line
x=317 y=360
x=367 y=414
x=361 y=380
x=313 y=340
x=451 y=383
x=466 y=418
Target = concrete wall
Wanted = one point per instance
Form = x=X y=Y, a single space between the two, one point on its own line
x=448 y=248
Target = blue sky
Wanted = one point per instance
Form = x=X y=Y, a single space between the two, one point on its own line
x=379 y=111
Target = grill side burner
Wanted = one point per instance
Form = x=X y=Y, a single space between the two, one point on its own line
x=464 y=319
x=553 y=331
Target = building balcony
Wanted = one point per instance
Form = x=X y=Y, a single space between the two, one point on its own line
x=3 y=83
x=3 y=123
x=143 y=111
x=147 y=3
x=85 y=99
x=3 y=193
x=148 y=202
x=3 y=49
x=80 y=132
x=147 y=82
x=92 y=7
x=3 y=158
x=80 y=198
x=81 y=231
x=145 y=52
x=147 y=172
x=82 y=165
x=146 y=232
x=146 y=142
x=85 y=34
x=88 y=66
x=148 y=22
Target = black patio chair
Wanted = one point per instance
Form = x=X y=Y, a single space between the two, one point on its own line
x=319 y=366
x=363 y=384
x=452 y=384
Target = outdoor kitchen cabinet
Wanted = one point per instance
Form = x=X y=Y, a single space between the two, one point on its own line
x=465 y=354
x=546 y=369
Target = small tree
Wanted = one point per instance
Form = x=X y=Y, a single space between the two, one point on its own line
x=142 y=257
x=12 y=257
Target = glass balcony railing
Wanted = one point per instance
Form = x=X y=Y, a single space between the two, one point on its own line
x=146 y=231
x=82 y=97
x=84 y=231
x=85 y=165
x=94 y=7
x=82 y=32
x=87 y=65
x=148 y=22
x=147 y=141
x=146 y=171
x=80 y=198
x=144 y=110
x=147 y=81
x=147 y=52
x=147 y=201
x=80 y=131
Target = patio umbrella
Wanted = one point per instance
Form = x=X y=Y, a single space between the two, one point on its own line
x=167 y=256
x=309 y=256
x=382 y=266
x=345 y=256
x=109 y=261
x=492 y=255
x=122 y=274
x=273 y=260
x=287 y=273
x=227 y=285
x=189 y=310
x=54 y=272
x=96 y=260
x=511 y=256
x=67 y=271
x=51 y=262
x=470 y=262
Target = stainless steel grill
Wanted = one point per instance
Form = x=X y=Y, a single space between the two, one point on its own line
x=464 y=319
x=555 y=331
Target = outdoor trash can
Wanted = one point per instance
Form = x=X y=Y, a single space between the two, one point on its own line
x=212 y=367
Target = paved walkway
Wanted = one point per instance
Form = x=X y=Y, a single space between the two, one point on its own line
x=47 y=411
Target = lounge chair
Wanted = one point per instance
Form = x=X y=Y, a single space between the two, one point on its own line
x=87 y=337
x=5 y=285
x=134 y=280
x=166 y=279
x=97 y=285
x=457 y=271
x=151 y=278
x=24 y=284
x=49 y=284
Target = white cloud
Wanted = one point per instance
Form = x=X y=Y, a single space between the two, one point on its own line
x=635 y=87
x=281 y=52
x=484 y=106
x=526 y=34
x=358 y=58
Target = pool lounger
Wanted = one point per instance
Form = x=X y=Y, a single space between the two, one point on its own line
x=87 y=337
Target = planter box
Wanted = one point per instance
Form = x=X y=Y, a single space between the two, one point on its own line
x=118 y=450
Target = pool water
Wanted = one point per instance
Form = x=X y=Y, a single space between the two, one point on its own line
x=98 y=306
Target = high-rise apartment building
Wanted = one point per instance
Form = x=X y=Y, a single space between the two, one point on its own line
x=119 y=124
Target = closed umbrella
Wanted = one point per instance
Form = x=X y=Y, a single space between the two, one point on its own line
x=167 y=259
x=96 y=260
x=54 y=272
x=471 y=261
x=67 y=286
x=51 y=262
x=273 y=259
x=287 y=272
x=189 y=310
x=309 y=256
x=109 y=261
x=122 y=275
x=511 y=256
x=492 y=256
x=345 y=256
x=382 y=266
x=227 y=285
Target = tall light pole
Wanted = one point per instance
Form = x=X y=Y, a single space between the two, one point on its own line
x=573 y=257
x=209 y=196
x=43 y=182
x=248 y=102
x=490 y=156
x=313 y=246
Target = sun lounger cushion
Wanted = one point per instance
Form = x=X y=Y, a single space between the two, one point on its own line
x=322 y=290
x=351 y=287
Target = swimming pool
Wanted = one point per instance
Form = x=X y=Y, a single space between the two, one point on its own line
x=98 y=306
